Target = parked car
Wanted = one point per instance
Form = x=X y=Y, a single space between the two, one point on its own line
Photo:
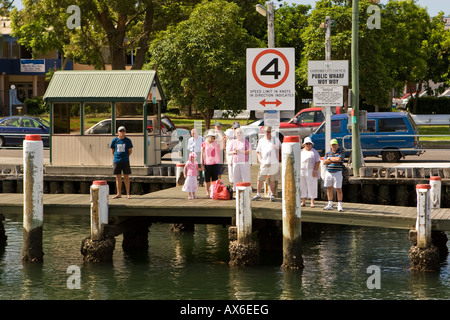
x=391 y=135
x=252 y=130
x=134 y=125
x=303 y=123
x=13 y=130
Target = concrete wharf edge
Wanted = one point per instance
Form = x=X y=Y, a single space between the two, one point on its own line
x=172 y=204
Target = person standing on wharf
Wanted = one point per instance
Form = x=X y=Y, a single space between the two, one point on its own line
x=121 y=148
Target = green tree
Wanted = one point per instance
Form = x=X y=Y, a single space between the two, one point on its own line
x=407 y=28
x=374 y=81
x=201 y=61
x=108 y=30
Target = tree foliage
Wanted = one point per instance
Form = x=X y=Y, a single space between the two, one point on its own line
x=201 y=61
x=108 y=29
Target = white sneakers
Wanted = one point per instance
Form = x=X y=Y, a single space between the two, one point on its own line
x=329 y=206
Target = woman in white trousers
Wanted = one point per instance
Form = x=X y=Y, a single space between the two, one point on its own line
x=309 y=171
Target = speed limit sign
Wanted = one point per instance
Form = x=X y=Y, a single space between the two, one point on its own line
x=271 y=79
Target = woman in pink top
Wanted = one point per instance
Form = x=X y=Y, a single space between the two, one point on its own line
x=190 y=174
x=240 y=150
x=210 y=159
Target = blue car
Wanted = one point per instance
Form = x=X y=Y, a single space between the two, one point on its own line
x=391 y=135
x=14 y=129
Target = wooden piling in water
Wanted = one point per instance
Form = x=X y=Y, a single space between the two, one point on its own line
x=291 y=214
x=244 y=250
x=33 y=208
x=424 y=256
x=98 y=247
x=3 y=236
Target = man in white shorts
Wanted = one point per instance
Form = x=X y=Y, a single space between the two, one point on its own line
x=334 y=161
x=268 y=151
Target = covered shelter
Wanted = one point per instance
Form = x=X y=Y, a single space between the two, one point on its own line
x=81 y=99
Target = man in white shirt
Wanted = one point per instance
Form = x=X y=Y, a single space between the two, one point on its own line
x=268 y=151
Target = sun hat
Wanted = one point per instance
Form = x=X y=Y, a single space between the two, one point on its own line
x=307 y=140
x=218 y=124
x=333 y=141
x=229 y=133
x=268 y=128
x=192 y=155
x=210 y=133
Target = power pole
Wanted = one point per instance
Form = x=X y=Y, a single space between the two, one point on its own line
x=356 y=143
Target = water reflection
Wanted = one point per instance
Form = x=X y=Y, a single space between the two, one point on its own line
x=194 y=265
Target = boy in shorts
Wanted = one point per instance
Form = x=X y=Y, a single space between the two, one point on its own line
x=121 y=148
x=334 y=160
x=268 y=150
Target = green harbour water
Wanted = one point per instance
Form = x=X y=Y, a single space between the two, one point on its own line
x=194 y=265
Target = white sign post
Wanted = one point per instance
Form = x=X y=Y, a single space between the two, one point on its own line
x=271 y=79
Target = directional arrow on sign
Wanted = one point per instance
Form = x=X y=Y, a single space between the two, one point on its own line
x=276 y=102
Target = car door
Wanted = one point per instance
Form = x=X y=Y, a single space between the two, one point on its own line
x=11 y=131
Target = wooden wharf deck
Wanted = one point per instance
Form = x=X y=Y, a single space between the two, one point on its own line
x=171 y=205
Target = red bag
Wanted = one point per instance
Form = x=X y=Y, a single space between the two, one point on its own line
x=219 y=191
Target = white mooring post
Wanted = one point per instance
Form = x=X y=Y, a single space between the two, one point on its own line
x=33 y=190
x=423 y=223
x=243 y=212
x=291 y=214
x=180 y=175
x=99 y=208
x=435 y=192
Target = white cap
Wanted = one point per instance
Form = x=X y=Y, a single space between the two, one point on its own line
x=121 y=128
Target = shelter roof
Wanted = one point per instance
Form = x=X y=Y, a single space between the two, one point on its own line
x=104 y=86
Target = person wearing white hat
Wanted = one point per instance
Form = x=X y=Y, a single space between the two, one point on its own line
x=309 y=167
x=190 y=174
x=210 y=159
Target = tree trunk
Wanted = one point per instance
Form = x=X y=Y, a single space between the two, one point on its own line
x=143 y=43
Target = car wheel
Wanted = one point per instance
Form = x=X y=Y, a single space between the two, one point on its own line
x=391 y=156
x=253 y=139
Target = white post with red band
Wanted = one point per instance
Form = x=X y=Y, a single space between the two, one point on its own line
x=99 y=208
x=33 y=206
x=291 y=214
x=423 y=222
x=435 y=192
x=243 y=211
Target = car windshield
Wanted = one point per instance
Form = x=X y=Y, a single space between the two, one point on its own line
x=44 y=122
x=256 y=123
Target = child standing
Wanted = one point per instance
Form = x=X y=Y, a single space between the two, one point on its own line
x=190 y=174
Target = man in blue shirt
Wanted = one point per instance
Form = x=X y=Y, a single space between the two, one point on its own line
x=121 y=148
x=334 y=161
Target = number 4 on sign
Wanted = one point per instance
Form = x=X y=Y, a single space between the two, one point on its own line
x=267 y=72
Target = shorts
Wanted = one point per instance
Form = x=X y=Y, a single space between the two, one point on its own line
x=119 y=167
x=333 y=179
x=211 y=172
x=269 y=170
